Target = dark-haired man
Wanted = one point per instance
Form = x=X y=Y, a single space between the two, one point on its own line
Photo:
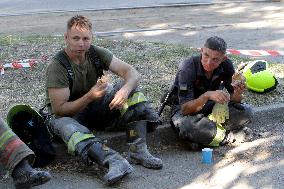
x=201 y=82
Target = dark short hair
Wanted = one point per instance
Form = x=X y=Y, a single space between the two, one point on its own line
x=216 y=43
x=80 y=21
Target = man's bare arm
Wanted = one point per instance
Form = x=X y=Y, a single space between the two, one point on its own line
x=193 y=106
x=131 y=78
x=196 y=105
x=59 y=100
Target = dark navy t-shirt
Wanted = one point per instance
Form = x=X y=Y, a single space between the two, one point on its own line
x=191 y=80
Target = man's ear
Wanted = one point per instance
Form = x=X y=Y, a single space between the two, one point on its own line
x=225 y=57
x=65 y=36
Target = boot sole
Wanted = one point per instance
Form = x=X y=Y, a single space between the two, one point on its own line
x=114 y=180
x=33 y=182
x=149 y=166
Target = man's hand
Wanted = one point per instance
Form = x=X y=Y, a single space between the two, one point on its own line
x=218 y=96
x=119 y=99
x=98 y=90
x=239 y=87
x=130 y=76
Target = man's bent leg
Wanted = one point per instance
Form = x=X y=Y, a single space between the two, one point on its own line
x=140 y=118
x=240 y=116
x=16 y=156
x=198 y=129
x=138 y=151
x=136 y=109
x=117 y=165
x=82 y=142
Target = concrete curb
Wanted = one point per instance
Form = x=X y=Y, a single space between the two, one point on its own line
x=269 y=108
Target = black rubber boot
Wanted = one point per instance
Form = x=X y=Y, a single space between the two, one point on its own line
x=25 y=176
x=138 y=152
x=118 y=167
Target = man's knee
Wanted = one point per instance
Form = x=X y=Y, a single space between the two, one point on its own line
x=196 y=128
x=66 y=126
x=142 y=111
x=240 y=115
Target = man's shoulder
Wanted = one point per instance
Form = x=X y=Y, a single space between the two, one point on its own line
x=228 y=64
x=96 y=47
x=191 y=61
x=59 y=55
x=58 y=59
x=54 y=64
x=100 y=50
x=104 y=55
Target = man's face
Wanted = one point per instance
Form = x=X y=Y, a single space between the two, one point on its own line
x=211 y=59
x=78 y=40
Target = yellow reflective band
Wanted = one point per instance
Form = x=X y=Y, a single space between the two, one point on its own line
x=75 y=139
x=5 y=137
x=220 y=135
x=134 y=99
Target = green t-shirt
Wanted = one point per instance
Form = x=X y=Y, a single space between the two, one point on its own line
x=85 y=75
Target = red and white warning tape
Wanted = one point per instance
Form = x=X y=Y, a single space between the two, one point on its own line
x=255 y=52
x=25 y=63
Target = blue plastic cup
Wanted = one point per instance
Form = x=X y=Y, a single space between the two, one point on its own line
x=207 y=155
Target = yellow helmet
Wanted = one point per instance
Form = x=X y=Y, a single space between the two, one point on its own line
x=258 y=77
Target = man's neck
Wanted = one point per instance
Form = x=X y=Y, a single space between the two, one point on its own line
x=208 y=74
x=77 y=59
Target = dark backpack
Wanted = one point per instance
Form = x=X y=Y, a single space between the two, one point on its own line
x=63 y=59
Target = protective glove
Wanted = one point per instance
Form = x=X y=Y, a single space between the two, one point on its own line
x=220 y=112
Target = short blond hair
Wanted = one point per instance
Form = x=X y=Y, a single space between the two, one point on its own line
x=80 y=21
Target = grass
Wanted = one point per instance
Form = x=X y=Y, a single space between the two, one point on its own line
x=156 y=62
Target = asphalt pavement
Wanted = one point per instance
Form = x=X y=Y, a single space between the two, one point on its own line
x=240 y=23
x=18 y=7
x=255 y=164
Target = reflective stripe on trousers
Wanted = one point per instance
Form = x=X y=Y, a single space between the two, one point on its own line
x=219 y=137
x=12 y=149
x=75 y=139
x=70 y=131
x=136 y=98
